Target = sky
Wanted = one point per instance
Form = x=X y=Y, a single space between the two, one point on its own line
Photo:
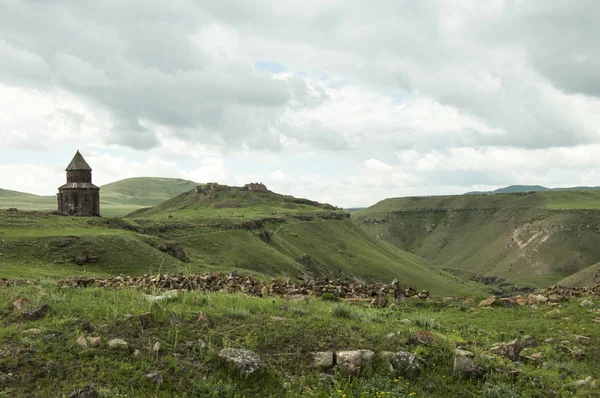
x=342 y=101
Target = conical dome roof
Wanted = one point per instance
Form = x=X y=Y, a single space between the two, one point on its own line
x=78 y=163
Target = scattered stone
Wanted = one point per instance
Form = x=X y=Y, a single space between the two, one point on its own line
x=32 y=331
x=580 y=338
x=462 y=353
x=597 y=320
x=37 y=313
x=553 y=313
x=426 y=337
x=352 y=362
x=465 y=367
x=529 y=341
x=380 y=301
x=156 y=347
x=21 y=303
x=577 y=353
x=155 y=377
x=507 y=302
x=168 y=295
x=537 y=299
x=536 y=356
x=136 y=353
x=248 y=362
x=94 y=341
x=407 y=364
x=510 y=350
x=556 y=298
x=88 y=391
x=323 y=360
x=487 y=302
x=587 y=304
x=82 y=342
x=520 y=300
x=118 y=344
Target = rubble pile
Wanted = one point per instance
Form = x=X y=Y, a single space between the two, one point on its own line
x=572 y=291
x=238 y=283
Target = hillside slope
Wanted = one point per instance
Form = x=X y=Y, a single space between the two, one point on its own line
x=533 y=238
x=230 y=227
x=586 y=277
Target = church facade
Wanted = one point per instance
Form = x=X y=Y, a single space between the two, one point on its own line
x=78 y=197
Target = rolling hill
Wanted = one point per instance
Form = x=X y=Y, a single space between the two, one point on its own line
x=535 y=238
x=116 y=199
x=531 y=188
x=220 y=229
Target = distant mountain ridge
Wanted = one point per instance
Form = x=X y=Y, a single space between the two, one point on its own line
x=530 y=188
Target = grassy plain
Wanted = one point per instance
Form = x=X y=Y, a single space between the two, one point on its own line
x=42 y=358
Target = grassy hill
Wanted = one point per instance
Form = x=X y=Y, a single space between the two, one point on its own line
x=535 y=238
x=586 y=277
x=223 y=229
x=116 y=199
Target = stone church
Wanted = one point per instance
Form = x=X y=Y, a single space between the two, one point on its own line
x=78 y=197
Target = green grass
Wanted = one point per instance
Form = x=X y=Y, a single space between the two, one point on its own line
x=528 y=238
x=193 y=327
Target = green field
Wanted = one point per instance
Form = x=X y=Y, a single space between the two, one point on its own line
x=527 y=238
x=173 y=345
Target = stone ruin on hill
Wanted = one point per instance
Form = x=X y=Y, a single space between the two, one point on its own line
x=78 y=197
x=256 y=186
x=211 y=187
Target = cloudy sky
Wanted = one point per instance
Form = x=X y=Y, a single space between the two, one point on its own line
x=344 y=101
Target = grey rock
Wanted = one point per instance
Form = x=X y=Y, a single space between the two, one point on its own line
x=407 y=364
x=246 y=361
x=37 y=313
x=322 y=360
x=510 y=350
x=465 y=367
x=352 y=362
x=117 y=343
x=155 y=377
x=88 y=391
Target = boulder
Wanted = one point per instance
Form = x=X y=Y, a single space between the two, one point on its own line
x=510 y=350
x=322 y=360
x=21 y=303
x=537 y=299
x=248 y=362
x=487 y=302
x=37 y=313
x=507 y=302
x=352 y=362
x=466 y=367
x=407 y=364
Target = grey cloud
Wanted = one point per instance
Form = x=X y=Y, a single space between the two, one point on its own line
x=138 y=60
